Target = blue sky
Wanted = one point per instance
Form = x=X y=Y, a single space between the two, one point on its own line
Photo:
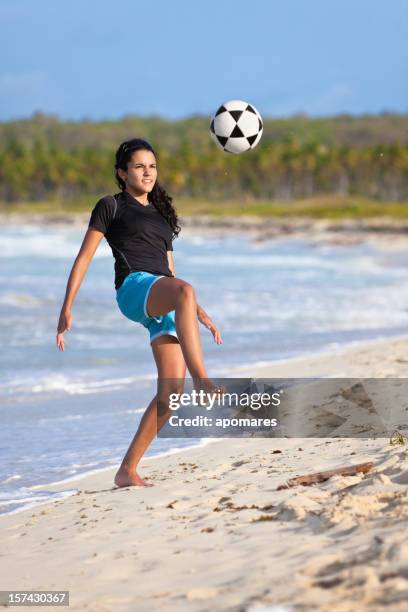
x=175 y=58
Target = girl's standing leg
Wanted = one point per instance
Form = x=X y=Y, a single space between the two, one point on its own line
x=170 y=365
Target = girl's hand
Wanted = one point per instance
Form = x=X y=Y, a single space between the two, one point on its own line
x=64 y=324
x=209 y=324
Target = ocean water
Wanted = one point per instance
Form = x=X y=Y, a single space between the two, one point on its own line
x=71 y=413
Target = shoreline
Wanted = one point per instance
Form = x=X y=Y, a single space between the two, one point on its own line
x=324 y=357
x=216 y=533
x=347 y=231
x=60 y=485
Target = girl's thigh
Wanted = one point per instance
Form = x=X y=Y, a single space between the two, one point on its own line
x=169 y=357
x=171 y=369
x=164 y=295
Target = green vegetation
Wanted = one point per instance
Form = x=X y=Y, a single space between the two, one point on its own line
x=329 y=167
x=321 y=207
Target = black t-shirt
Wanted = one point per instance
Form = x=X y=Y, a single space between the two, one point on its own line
x=138 y=235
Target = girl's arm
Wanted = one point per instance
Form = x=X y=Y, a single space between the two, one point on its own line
x=88 y=248
x=171 y=262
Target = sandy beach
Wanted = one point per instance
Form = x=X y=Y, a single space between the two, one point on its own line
x=214 y=533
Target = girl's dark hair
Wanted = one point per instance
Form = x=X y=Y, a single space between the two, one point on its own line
x=158 y=196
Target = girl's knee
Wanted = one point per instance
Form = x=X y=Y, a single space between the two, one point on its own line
x=186 y=292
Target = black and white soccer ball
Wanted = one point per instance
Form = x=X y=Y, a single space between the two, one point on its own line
x=236 y=126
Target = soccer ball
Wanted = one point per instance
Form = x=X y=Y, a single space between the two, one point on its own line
x=236 y=127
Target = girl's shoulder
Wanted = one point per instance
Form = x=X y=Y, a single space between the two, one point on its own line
x=104 y=212
x=111 y=202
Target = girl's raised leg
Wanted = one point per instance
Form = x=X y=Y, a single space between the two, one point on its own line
x=169 y=294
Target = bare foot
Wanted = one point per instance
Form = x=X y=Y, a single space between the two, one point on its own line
x=126 y=478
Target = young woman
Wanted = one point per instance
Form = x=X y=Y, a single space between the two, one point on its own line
x=139 y=223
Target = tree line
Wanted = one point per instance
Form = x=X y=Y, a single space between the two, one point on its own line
x=43 y=158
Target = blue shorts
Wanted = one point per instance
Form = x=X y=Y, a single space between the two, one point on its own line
x=132 y=300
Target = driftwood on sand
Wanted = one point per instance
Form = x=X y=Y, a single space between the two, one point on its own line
x=309 y=479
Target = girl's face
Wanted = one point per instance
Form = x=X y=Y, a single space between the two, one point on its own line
x=141 y=172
